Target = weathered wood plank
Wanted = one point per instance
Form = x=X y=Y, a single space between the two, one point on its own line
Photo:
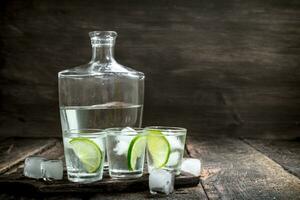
x=285 y=152
x=55 y=152
x=194 y=193
x=234 y=170
x=212 y=121
x=232 y=65
x=179 y=194
x=14 y=150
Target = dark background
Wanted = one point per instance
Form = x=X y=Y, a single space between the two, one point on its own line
x=216 y=67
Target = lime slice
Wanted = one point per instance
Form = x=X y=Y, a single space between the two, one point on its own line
x=136 y=150
x=88 y=152
x=158 y=147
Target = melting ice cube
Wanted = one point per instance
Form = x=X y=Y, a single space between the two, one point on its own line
x=72 y=159
x=192 y=166
x=32 y=167
x=39 y=167
x=174 y=142
x=174 y=158
x=52 y=169
x=161 y=181
x=128 y=130
x=124 y=140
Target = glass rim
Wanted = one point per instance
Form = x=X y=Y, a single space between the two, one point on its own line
x=166 y=128
x=118 y=131
x=103 y=34
x=68 y=73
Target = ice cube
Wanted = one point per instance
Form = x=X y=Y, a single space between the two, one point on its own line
x=161 y=181
x=72 y=159
x=122 y=145
x=32 y=167
x=124 y=140
x=128 y=130
x=174 y=142
x=174 y=158
x=192 y=166
x=52 y=169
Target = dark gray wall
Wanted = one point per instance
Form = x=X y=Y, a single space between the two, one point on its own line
x=215 y=67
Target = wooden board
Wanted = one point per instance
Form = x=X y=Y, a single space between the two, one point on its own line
x=211 y=66
x=194 y=193
x=234 y=170
x=25 y=185
x=284 y=152
x=13 y=178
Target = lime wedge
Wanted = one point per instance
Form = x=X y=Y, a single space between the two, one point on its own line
x=136 y=150
x=158 y=147
x=88 y=152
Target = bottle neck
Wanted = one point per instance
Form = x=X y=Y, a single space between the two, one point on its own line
x=103 y=54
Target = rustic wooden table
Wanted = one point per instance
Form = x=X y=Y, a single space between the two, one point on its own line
x=232 y=169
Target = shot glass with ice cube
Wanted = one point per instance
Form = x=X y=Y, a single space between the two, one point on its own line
x=84 y=153
x=125 y=152
x=165 y=147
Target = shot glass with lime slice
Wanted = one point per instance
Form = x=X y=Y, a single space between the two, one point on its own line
x=125 y=152
x=84 y=154
x=165 y=147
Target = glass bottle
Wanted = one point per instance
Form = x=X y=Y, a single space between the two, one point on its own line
x=102 y=93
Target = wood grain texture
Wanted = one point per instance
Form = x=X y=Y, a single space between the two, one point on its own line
x=54 y=152
x=284 y=152
x=234 y=170
x=193 y=193
x=13 y=151
x=211 y=66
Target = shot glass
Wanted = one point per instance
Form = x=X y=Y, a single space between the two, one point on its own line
x=165 y=147
x=125 y=152
x=84 y=154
